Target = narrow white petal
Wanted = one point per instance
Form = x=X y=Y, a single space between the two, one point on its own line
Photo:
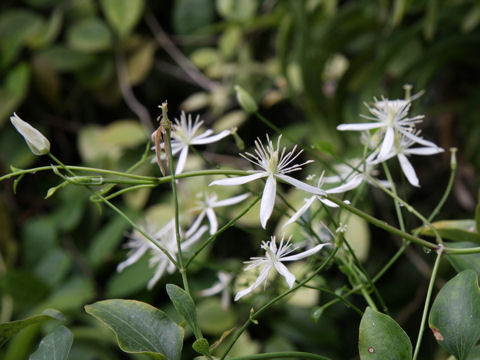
x=301 y=211
x=239 y=180
x=304 y=254
x=261 y=278
x=158 y=274
x=181 y=160
x=225 y=299
x=359 y=127
x=418 y=139
x=301 y=185
x=408 y=170
x=423 y=151
x=268 y=200
x=212 y=219
x=331 y=203
x=354 y=182
x=195 y=237
x=210 y=139
x=387 y=144
x=214 y=289
x=231 y=201
x=132 y=259
x=195 y=225
x=282 y=270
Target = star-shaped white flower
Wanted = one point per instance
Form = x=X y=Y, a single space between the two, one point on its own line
x=221 y=286
x=275 y=164
x=390 y=116
x=273 y=260
x=402 y=149
x=186 y=132
x=208 y=202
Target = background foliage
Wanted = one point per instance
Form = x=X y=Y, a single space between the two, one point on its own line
x=90 y=75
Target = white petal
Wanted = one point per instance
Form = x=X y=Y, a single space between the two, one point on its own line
x=158 y=274
x=331 y=203
x=38 y=144
x=195 y=225
x=301 y=211
x=359 y=127
x=213 y=221
x=304 y=254
x=282 y=270
x=423 y=151
x=182 y=160
x=408 y=170
x=231 y=201
x=132 y=259
x=214 y=289
x=301 y=185
x=195 y=237
x=417 y=139
x=354 y=182
x=239 y=180
x=225 y=299
x=387 y=144
x=268 y=200
x=210 y=139
x=261 y=278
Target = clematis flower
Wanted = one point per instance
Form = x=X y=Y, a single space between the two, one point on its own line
x=221 y=286
x=402 y=149
x=38 y=144
x=275 y=164
x=209 y=202
x=273 y=260
x=390 y=116
x=186 y=132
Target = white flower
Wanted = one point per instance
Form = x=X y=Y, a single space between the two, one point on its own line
x=389 y=116
x=273 y=260
x=208 y=202
x=221 y=286
x=353 y=183
x=275 y=165
x=402 y=148
x=168 y=241
x=38 y=144
x=186 y=133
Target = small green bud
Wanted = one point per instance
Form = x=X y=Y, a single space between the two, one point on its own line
x=245 y=100
x=38 y=144
x=453 y=158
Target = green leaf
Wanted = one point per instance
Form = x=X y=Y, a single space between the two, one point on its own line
x=54 y=346
x=130 y=280
x=64 y=59
x=213 y=319
x=455 y=314
x=90 y=35
x=456 y=230
x=17 y=80
x=461 y=262
x=185 y=307
x=8 y=329
x=122 y=15
x=201 y=346
x=382 y=338
x=140 y=328
x=192 y=15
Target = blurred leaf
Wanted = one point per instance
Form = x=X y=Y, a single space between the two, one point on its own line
x=192 y=15
x=205 y=57
x=8 y=104
x=140 y=63
x=237 y=10
x=324 y=146
x=43 y=3
x=8 y=329
x=399 y=8
x=12 y=150
x=16 y=27
x=382 y=338
x=122 y=15
x=230 y=41
x=49 y=31
x=70 y=211
x=463 y=262
x=130 y=280
x=357 y=235
x=64 y=59
x=140 y=328
x=472 y=19
x=46 y=79
x=230 y=120
x=24 y=287
x=72 y=295
x=456 y=230
x=54 y=266
x=430 y=20
x=185 y=306
x=17 y=80
x=243 y=347
x=124 y=133
x=213 y=319
x=39 y=235
x=106 y=240
x=90 y=35
x=455 y=314
x=474 y=354
x=55 y=346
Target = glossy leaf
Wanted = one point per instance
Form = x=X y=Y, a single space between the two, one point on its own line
x=122 y=15
x=55 y=346
x=140 y=328
x=185 y=306
x=456 y=230
x=464 y=261
x=455 y=314
x=382 y=338
x=8 y=329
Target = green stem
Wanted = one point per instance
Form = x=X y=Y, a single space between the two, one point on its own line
x=427 y=302
x=123 y=191
x=398 y=210
x=280 y=355
x=274 y=300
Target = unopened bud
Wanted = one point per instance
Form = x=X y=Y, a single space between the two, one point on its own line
x=38 y=144
x=245 y=100
x=453 y=158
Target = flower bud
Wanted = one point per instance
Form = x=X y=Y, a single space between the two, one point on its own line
x=38 y=144
x=245 y=100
